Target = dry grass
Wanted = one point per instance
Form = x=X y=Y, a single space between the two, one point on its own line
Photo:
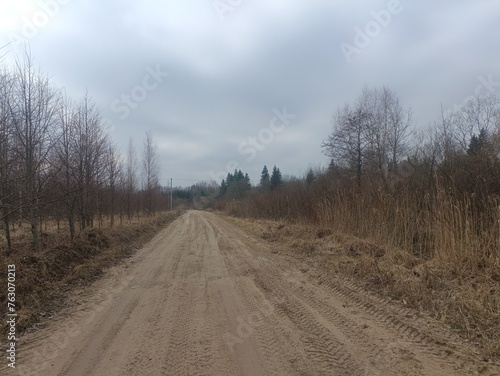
x=43 y=280
x=21 y=231
x=467 y=302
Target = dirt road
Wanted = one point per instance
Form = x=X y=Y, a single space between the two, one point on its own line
x=205 y=298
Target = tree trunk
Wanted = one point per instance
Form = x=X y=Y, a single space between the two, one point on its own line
x=71 y=223
x=7 y=233
x=34 y=230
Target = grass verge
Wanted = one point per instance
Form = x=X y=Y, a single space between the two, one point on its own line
x=468 y=304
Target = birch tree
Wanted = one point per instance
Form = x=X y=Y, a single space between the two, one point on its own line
x=151 y=172
x=6 y=188
x=34 y=117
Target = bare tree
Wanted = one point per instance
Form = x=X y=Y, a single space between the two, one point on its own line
x=66 y=157
x=481 y=113
x=391 y=125
x=387 y=126
x=151 y=172
x=114 y=167
x=6 y=189
x=58 y=162
x=349 y=140
x=91 y=144
x=372 y=135
x=34 y=114
x=130 y=178
x=400 y=130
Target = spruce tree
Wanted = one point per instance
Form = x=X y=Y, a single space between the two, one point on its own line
x=276 y=178
x=310 y=176
x=264 y=179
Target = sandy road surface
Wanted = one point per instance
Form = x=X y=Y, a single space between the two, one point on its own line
x=205 y=298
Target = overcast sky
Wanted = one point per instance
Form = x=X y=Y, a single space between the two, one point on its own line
x=253 y=82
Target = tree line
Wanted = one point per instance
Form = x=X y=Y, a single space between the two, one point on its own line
x=374 y=142
x=237 y=185
x=58 y=160
x=433 y=191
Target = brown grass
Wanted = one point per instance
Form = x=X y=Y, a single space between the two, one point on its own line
x=21 y=230
x=457 y=280
x=43 y=280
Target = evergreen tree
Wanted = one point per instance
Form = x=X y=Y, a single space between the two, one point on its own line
x=223 y=188
x=239 y=175
x=276 y=178
x=332 y=166
x=247 y=181
x=264 y=179
x=477 y=143
x=235 y=185
x=310 y=176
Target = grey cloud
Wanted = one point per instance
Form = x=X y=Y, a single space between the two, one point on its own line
x=227 y=76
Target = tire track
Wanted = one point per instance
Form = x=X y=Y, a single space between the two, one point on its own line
x=87 y=358
x=281 y=356
x=189 y=291
x=324 y=351
x=405 y=324
x=407 y=341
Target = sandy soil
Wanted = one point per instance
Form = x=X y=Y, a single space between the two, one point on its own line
x=206 y=298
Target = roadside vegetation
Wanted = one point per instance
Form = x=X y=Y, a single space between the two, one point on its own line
x=45 y=278
x=71 y=203
x=413 y=213
x=59 y=163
